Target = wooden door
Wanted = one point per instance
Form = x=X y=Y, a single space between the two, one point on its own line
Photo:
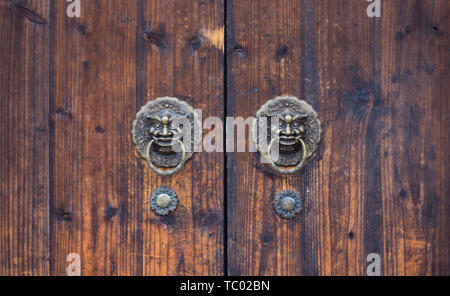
x=71 y=179
x=72 y=182
x=378 y=182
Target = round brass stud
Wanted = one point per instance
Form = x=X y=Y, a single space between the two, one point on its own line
x=163 y=200
x=287 y=203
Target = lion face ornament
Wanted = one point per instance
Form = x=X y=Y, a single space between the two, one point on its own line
x=292 y=126
x=166 y=132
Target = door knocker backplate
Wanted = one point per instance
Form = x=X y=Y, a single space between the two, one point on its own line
x=166 y=132
x=296 y=133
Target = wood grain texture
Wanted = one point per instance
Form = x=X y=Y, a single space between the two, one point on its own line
x=107 y=64
x=97 y=197
x=183 y=57
x=378 y=182
x=24 y=134
x=71 y=179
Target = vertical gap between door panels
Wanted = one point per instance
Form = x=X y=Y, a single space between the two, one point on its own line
x=225 y=166
x=51 y=139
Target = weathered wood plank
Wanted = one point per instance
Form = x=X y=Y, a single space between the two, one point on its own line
x=183 y=57
x=97 y=178
x=71 y=180
x=24 y=133
x=377 y=183
x=413 y=148
x=107 y=64
x=264 y=51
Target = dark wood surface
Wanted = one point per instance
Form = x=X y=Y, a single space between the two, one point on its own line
x=24 y=139
x=71 y=179
x=379 y=180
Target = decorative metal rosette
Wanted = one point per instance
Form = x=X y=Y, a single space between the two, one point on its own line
x=163 y=200
x=287 y=203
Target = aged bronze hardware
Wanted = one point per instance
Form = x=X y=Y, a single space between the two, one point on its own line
x=163 y=200
x=297 y=133
x=287 y=203
x=166 y=132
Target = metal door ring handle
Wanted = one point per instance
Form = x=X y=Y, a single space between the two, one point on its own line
x=165 y=172
x=280 y=169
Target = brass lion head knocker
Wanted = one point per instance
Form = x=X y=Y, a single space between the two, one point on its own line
x=293 y=126
x=166 y=132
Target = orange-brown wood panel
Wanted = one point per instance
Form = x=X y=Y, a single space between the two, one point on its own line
x=24 y=135
x=378 y=182
x=414 y=153
x=71 y=180
x=97 y=184
x=182 y=56
x=105 y=66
